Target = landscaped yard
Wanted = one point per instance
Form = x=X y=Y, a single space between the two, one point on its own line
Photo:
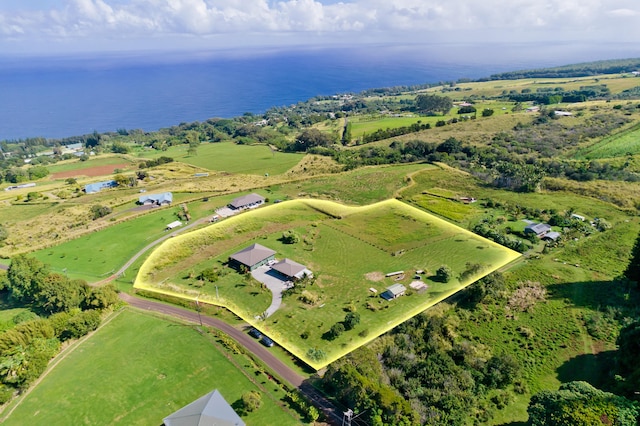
x=349 y=250
x=136 y=370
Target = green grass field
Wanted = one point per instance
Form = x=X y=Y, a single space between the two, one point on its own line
x=621 y=144
x=136 y=370
x=232 y=158
x=348 y=256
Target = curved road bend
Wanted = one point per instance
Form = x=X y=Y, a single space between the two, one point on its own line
x=248 y=342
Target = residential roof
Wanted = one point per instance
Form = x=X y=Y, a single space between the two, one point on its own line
x=97 y=186
x=253 y=254
x=396 y=289
x=165 y=197
x=246 y=200
x=552 y=235
x=538 y=228
x=290 y=268
x=210 y=409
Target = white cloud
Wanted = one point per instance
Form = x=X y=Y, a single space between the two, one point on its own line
x=301 y=19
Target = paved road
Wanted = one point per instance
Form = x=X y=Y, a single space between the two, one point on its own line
x=248 y=342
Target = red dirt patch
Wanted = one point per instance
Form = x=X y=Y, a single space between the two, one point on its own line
x=91 y=171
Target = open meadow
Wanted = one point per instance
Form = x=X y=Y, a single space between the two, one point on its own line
x=138 y=369
x=232 y=158
x=348 y=249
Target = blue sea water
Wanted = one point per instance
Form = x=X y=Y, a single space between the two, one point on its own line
x=60 y=97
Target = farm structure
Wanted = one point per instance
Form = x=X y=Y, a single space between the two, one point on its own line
x=247 y=201
x=393 y=292
x=210 y=409
x=173 y=224
x=252 y=257
x=539 y=229
x=551 y=236
x=99 y=186
x=163 y=199
x=292 y=270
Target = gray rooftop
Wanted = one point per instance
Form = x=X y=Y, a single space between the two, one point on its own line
x=208 y=410
x=253 y=254
x=246 y=200
x=538 y=228
x=288 y=267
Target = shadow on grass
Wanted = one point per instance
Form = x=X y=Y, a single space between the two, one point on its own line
x=598 y=295
x=592 y=368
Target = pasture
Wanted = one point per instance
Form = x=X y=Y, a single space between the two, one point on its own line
x=624 y=143
x=349 y=250
x=232 y=158
x=138 y=369
x=71 y=168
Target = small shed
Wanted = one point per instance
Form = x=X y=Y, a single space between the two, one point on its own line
x=551 y=236
x=173 y=225
x=393 y=292
x=577 y=217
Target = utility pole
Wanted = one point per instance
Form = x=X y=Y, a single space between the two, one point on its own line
x=348 y=416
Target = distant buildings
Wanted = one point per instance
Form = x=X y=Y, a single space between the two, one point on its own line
x=99 y=186
x=163 y=199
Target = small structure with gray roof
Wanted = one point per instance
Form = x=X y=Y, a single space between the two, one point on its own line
x=252 y=257
x=394 y=291
x=247 y=201
x=292 y=270
x=210 y=409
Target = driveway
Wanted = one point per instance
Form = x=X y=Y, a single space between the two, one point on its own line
x=274 y=283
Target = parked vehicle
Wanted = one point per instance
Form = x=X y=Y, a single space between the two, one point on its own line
x=266 y=341
x=254 y=332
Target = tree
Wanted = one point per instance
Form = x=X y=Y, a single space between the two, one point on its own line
x=310 y=138
x=193 y=139
x=450 y=146
x=97 y=211
x=633 y=268
x=444 y=274
x=431 y=104
x=290 y=237
x=336 y=330
x=57 y=293
x=487 y=112
x=25 y=276
x=579 y=403
x=71 y=181
x=100 y=297
x=627 y=357
x=251 y=401
x=351 y=320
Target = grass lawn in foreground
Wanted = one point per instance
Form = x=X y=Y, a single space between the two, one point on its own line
x=233 y=158
x=349 y=250
x=136 y=370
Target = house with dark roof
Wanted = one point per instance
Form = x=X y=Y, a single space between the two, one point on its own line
x=394 y=291
x=538 y=229
x=165 y=199
x=247 y=201
x=210 y=409
x=292 y=270
x=252 y=257
x=99 y=186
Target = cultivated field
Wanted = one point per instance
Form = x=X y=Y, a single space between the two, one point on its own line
x=349 y=250
x=136 y=370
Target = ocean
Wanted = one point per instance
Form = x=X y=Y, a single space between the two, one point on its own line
x=69 y=96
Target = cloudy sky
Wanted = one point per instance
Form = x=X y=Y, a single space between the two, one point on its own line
x=60 y=26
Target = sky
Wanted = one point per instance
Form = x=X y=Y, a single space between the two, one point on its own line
x=57 y=27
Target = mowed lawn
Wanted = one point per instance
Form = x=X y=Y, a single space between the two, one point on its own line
x=136 y=370
x=349 y=250
x=233 y=158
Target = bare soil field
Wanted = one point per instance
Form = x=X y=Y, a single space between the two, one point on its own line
x=91 y=172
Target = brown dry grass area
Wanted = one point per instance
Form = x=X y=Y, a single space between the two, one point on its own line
x=622 y=194
x=91 y=172
x=374 y=276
